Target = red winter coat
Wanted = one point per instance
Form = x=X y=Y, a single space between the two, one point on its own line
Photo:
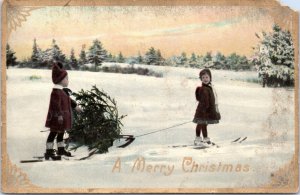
x=206 y=112
x=60 y=105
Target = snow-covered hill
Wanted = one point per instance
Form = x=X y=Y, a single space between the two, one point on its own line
x=264 y=115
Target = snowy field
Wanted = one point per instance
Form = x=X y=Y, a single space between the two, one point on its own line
x=264 y=115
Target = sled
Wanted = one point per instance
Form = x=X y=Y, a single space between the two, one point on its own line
x=202 y=146
x=124 y=140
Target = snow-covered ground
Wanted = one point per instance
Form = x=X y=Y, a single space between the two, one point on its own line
x=264 y=115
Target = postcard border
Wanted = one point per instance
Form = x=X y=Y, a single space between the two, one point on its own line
x=35 y=189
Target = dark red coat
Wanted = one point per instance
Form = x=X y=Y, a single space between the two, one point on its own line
x=60 y=105
x=206 y=112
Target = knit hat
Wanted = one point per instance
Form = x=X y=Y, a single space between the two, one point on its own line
x=58 y=74
x=205 y=71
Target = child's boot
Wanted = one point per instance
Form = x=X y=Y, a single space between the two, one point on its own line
x=61 y=150
x=50 y=152
x=207 y=140
x=198 y=141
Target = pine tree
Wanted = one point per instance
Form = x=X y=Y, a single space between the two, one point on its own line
x=150 y=56
x=280 y=47
x=73 y=60
x=193 y=60
x=232 y=60
x=109 y=58
x=82 y=57
x=173 y=61
x=200 y=61
x=160 y=59
x=46 y=58
x=99 y=124
x=207 y=57
x=140 y=59
x=219 y=61
x=114 y=58
x=244 y=63
x=183 y=59
x=96 y=54
x=35 y=58
x=11 y=59
x=56 y=53
x=120 y=58
x=207 y=60
x=274 y=57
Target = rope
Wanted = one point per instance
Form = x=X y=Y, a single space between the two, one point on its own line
x=177 y=125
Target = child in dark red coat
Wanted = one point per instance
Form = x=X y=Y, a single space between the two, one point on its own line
x=207 y=111
x=59 y=117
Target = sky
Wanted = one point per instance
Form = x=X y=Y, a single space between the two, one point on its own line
x=294 y=4
x=130 y=30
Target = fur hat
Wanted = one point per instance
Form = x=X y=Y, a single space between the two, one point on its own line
x=205 y=71
x=58 y=73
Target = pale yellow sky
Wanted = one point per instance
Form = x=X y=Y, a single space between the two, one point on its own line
x=131 y=29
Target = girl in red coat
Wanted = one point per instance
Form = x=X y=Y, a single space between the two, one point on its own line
x=59 y=117
x=207 y=111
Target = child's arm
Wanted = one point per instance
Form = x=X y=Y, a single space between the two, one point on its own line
x=73 y=102
x=75 y=106
x=197 y=93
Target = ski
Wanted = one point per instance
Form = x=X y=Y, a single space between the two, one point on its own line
x=31 y=161
x=181 y=146
x=39 y=157
x=42 y=159
x=243 y=140
x=200 y=147
x=207 y=145
x=36 y=160
x=239 y=140
x=236 y=140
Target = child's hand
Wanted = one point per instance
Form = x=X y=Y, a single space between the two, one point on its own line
x=60 y=120
x=78 y=109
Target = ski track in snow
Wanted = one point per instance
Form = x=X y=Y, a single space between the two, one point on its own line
x=264 y=115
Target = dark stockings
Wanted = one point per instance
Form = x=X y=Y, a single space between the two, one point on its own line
x=201 y=128
x=52 y=135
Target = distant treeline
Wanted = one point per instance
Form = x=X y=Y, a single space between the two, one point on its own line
x=97 y=54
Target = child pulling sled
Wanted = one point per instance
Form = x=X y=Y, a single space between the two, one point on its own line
x=207 y=111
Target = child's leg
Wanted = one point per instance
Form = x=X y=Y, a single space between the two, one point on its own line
x=60 y=140
x=198 y=139
x=50 y=153
x=61 y=145
x=51 y=136
x=198 y=130
x=204 y=131
x=50 y=140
